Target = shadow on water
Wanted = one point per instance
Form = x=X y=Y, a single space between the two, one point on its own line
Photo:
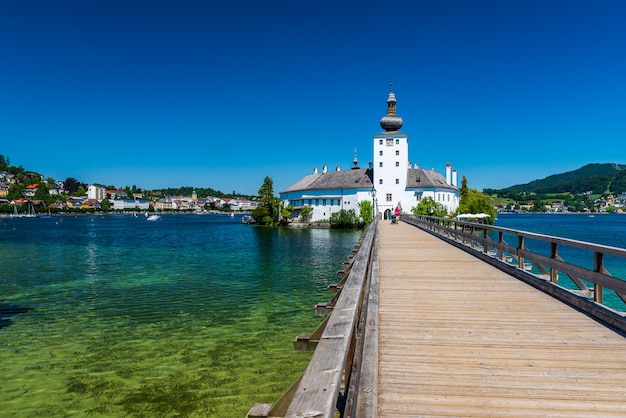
x=8 y=310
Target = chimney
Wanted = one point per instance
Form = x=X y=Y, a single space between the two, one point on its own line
x=337 y=168
x=324 y=168
x=454 y=177
x=315 y=170
x=448 y=179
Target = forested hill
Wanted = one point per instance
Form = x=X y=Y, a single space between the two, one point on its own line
x=594 y=178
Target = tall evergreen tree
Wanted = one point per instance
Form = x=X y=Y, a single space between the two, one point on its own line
x=267 y=211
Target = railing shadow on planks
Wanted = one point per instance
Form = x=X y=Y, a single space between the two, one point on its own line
x=585 y=274
x=342 y=376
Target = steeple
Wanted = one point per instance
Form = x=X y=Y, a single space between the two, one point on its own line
x=391 y=122
x=355 y=161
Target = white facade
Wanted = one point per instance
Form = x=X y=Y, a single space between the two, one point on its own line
x=327 y=202
x=96 y=192
x=128 y=204
x=391 y=161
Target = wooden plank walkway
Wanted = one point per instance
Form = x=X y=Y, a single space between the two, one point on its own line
x=460 y=338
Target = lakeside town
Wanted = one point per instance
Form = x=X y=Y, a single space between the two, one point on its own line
x=30 y=193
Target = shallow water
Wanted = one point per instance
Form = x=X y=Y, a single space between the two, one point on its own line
x=188 y=316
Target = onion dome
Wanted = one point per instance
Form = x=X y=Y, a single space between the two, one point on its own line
x=391 y=122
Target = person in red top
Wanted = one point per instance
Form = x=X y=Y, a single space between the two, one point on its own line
x=397 y=213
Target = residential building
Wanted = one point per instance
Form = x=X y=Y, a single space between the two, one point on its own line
x=30 y=190
x=4 y=189
x=97 y=192
x=130 y=204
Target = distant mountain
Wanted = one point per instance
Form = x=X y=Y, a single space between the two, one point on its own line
x=597 y=178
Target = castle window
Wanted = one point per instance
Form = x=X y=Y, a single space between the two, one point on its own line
x=389 y=142
x=388 y=197
x=380 y=142
x=397 y=152
x=397 y=181
x=380 y=181
x=380 y=164
x=397 y=142
x=397 y=163
x=380 y=153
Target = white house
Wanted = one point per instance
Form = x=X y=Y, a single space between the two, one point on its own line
x=391 y=182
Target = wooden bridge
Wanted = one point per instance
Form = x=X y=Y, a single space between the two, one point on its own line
x=440 y=319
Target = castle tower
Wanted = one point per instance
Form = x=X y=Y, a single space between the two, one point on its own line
x=391 y=158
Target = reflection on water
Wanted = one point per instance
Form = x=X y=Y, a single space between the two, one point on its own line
x=190 y=316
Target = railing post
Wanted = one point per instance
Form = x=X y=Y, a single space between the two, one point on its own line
x=485 y=246
x=520 y=246
x=554 y=252
x=598 y=266
x=500 y=241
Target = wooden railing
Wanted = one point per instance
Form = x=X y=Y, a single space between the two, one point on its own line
x=342 y=374
x=542 y=269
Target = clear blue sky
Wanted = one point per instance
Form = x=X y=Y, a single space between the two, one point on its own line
x=222 y=94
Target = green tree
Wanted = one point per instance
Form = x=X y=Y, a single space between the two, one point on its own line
x=262 y=215
x=366 y=211
x=538 y=206
x=105 y=205
x=267 y=212
x=80 y=191
x=4 y=163
x=70 y=185
x=344 y=219
x=42 y=192
x=285 y=213
x=474 y=201
x=15 y=191
x=464 y=191
x=306 y=212
x=428 y=206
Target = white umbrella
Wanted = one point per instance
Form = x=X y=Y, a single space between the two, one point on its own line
x=473 y=215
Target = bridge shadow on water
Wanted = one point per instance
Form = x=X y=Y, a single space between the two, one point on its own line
x=8 y=310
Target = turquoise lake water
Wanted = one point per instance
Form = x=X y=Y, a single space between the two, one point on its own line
x=190 y=316
x=605 y=229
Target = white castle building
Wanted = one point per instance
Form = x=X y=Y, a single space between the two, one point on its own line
x=391 y=181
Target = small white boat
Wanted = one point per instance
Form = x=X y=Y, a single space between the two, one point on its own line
x=154 y=217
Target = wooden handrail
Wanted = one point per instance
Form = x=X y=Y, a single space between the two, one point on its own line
x=519 y=261
x=339 y=350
